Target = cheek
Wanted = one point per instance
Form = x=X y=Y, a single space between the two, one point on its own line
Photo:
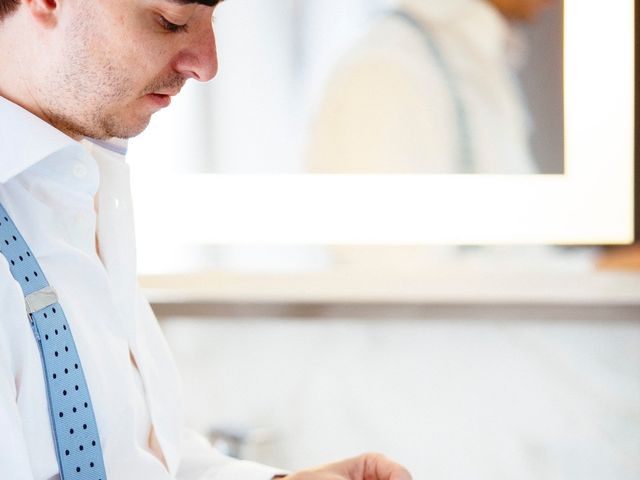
x=125 y=57
x=127 y=71
x=146 y=63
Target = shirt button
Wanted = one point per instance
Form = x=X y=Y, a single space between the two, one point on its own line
x=80 y=170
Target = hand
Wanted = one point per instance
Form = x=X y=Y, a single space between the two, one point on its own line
x=369 y=466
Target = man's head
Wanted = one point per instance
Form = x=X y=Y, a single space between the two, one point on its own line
x=102 y=68
x=521 y=10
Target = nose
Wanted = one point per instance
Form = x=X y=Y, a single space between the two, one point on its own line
x=199 y=58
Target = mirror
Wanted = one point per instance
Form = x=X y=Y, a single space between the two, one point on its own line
x=590 y=202
x=437 y=87
x=375 y=86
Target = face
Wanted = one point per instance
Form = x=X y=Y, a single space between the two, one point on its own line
x=116 y=62
x=521 y=10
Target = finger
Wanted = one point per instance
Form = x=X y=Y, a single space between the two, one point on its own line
x=379 y=467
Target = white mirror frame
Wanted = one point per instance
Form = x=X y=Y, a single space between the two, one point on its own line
x=591 y=203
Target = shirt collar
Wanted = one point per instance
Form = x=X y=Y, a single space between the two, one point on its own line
x=25 y=139
x=117 y=146
x=435 y=11
x=487 y=30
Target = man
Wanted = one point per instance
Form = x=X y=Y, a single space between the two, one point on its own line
x=76 y=73
x=431 y=88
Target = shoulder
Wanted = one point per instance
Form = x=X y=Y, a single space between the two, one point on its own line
x=390 y=61
x=398 y=41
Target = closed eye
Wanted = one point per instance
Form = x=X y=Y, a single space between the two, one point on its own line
x=172 y=27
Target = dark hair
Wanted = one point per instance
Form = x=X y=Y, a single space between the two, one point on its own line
x=7 y=7
x=209 y=3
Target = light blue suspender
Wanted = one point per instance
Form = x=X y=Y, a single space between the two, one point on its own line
x=464 y=141
x=75 y=433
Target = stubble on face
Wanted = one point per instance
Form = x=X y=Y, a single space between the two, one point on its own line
x=96 y=91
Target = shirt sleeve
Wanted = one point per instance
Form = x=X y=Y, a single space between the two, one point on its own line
x=201 y=461
x=15 y=460
x=14 y=457
x=195 y=458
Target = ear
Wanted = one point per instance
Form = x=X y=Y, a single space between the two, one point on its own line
x=44 y=12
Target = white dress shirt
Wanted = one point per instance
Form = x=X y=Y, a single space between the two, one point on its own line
x=71 y=202
x=388 y=106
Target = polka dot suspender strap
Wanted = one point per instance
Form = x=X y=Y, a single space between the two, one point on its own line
x=75 y=433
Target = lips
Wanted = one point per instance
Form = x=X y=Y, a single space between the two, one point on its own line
x=170 y=93
x=159 y=99
x=162 y=98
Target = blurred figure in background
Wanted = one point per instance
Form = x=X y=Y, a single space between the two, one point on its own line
x=431 y=88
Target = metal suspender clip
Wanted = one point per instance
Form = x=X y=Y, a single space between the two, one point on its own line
x=41 y=299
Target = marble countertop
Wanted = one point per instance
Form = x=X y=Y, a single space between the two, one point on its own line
x=453 y=286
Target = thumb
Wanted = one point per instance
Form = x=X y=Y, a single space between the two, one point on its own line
x=375 y=466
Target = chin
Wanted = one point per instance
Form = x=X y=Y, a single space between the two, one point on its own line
x=124 y=130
